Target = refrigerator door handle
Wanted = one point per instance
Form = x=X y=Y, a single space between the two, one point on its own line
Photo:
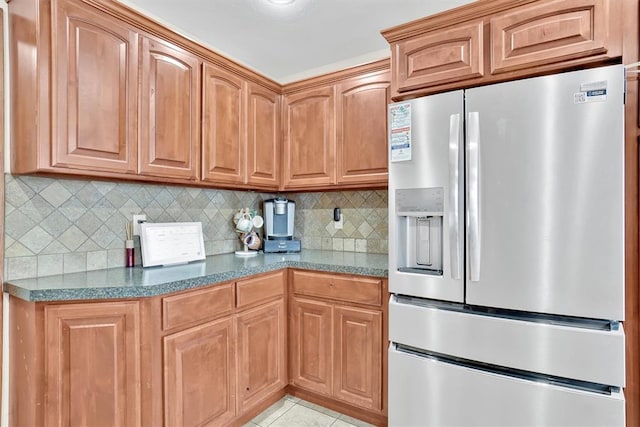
x=454 y=204
x=473 y=195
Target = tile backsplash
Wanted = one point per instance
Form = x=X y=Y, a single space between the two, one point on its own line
x=365 y=220
x=56 y=226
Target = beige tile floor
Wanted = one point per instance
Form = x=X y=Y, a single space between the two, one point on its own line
x=291 y=411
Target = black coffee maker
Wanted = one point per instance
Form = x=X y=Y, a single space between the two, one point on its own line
x=279 y=214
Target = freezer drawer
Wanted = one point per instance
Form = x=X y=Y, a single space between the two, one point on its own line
x=428 y=392
x=570 y=352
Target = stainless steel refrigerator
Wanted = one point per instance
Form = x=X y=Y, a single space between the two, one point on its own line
x=506 y=254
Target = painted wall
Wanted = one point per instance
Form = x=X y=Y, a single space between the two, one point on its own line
x=59 y=226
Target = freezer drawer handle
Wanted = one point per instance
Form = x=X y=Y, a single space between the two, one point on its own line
x=473 y=195
x=520 y=374
x=454 y=207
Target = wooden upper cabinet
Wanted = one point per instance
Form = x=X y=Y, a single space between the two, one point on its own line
x=263 y=137
x=447 y=55
x=552 y=31
x=491 y=41
x=223 y=135
x=95 y=90
x=169 y=111
x=92 y=371
x=362 y=129
x=309 y=138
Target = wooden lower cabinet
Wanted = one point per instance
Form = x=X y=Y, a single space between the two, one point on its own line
x=357 y=363
x=199 y=375
x=217 y=355
x=311 y=345
x=90 y=364
x=335 y=351
x=262 y=353
x=337 y=339
x=223 y=350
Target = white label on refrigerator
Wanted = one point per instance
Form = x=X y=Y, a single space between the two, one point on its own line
x=591 y=92
x=400 y=132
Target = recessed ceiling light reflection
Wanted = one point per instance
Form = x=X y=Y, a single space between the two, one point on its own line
x=281 y=2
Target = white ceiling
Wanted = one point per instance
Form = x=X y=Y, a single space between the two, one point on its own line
x=291 y=42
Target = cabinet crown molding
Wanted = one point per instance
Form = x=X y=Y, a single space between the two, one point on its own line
x=336 y=76
x=477 y=9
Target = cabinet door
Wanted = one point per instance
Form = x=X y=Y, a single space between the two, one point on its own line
x=552 y=31
x=362 y=129
x=92 y=370
x=169 y=111
x=95 y=90
x=223 y=135
x=263 y=147
x=442 y=56
x=261 y=353
x=309 y=138
x=357 y=366
x=199 y=375
x=311 y=345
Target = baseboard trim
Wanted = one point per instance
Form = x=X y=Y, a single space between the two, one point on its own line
x=344 y=408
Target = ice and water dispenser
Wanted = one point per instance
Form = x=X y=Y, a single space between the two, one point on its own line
x=419 y=230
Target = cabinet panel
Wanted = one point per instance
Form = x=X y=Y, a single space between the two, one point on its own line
x=311 y=345
x=259 y=289
x=169 y=116
x=95 y=90
x=199 y=375
x=197 y=306
x=309 y=138
x=357 y=367
x=362 y=129
x=361 y=290
x=92 y=364
x=223 y=136
x=550 y=31
x=263 y=136
x=439 y=57
x=261 y=353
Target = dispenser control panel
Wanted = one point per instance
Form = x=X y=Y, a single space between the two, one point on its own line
x=420 y=201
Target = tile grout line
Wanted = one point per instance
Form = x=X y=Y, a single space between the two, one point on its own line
x=292 y=406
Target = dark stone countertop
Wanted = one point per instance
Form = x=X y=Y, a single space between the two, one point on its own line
x=145 y=282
